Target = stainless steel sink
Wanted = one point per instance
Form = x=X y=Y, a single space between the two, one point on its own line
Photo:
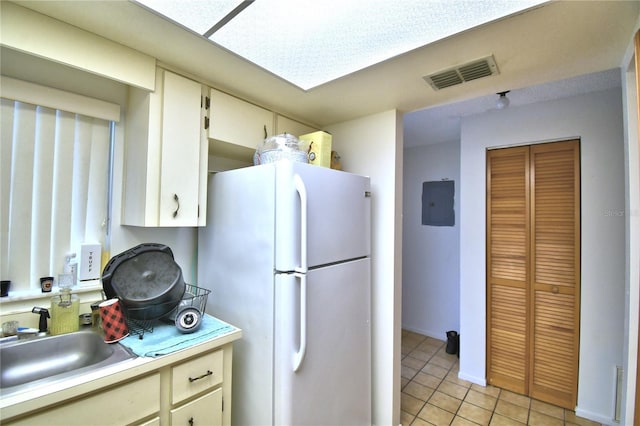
x=44 y=359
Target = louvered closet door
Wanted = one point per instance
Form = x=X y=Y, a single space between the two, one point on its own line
x=533 y=270
x=555 y=271
x=507 y=272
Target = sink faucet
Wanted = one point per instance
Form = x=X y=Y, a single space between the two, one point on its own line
x=44 y=314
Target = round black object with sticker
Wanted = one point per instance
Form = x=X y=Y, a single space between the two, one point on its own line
x=188 y=320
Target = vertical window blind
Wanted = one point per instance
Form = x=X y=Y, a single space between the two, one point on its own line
x=54 y=168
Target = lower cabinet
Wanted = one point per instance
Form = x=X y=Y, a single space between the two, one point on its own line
x=203 y=374
x=206 y=410
x=120 y=405
x=190 y=392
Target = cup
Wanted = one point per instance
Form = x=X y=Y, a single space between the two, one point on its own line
x=46 y=284
x=113 y=321
x=9 y=328
x=4 y=288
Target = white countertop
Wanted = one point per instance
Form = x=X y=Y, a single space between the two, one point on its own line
x=39 y=396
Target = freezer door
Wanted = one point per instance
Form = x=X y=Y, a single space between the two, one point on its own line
x=322 y=359
x=322 y=216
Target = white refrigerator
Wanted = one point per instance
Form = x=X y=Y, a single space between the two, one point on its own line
x=286 y=253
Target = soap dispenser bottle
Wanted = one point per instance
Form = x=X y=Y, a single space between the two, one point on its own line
x=65 y=308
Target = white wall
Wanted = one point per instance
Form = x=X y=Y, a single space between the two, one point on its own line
x=372 y=146
x=632 y=213
x=431 y=254
x=597 y=119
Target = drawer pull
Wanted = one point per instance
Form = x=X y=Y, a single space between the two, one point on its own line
x=208 y=373
x=191 y=421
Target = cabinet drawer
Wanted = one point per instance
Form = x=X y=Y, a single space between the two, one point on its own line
x=206 y=410
x=195 y=376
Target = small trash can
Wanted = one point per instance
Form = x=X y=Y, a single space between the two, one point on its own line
x=453 y=342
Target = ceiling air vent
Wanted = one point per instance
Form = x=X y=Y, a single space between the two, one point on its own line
x=466 y=72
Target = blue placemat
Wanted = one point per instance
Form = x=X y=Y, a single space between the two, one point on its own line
x=166 y=338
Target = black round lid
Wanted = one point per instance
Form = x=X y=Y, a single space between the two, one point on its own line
x=147 y=277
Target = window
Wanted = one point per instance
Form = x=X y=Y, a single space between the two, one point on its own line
x=54 y=170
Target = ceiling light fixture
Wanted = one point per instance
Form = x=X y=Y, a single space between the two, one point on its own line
x=502 y=101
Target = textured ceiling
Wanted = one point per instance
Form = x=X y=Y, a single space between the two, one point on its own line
x=442 y=124
x=557 y=41
x=309 y=43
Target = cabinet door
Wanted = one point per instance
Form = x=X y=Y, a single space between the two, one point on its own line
x=180 y=164
x=165 y=154
x=295 y=128
x=206 y=410
x=121 y=405
x=153 y=422
x=237 y=127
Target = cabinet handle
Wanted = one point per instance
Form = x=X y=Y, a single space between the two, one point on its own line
x=191 y=421
x=555 y=289
x=265 y=131
x=177 y=200
x=208 y=373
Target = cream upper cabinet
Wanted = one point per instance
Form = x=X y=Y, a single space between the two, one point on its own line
x=295 y=128
x=236 y=127
x=165 y=154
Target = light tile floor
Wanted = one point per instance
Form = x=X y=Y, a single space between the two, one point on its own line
x=432 y=393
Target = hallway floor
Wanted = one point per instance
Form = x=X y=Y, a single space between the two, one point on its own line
x=432 y=393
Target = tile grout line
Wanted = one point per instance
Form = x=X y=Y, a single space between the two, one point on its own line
x=442 y=380
x=498 y=397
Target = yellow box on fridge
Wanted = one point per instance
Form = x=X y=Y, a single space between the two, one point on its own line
x=319 y=148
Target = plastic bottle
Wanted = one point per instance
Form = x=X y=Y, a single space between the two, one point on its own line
x=71 y=267
x=65 y=308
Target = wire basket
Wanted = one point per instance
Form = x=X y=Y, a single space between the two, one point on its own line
x=144 y=321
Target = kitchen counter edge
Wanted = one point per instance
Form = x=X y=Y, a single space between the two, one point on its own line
x=58 y=392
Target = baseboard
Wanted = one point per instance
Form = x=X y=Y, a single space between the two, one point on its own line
x=473 y=379
x=596 y=417
x=439 y=336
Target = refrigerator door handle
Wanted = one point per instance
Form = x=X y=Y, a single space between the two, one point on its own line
x=302 y=191
x=298 y=356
